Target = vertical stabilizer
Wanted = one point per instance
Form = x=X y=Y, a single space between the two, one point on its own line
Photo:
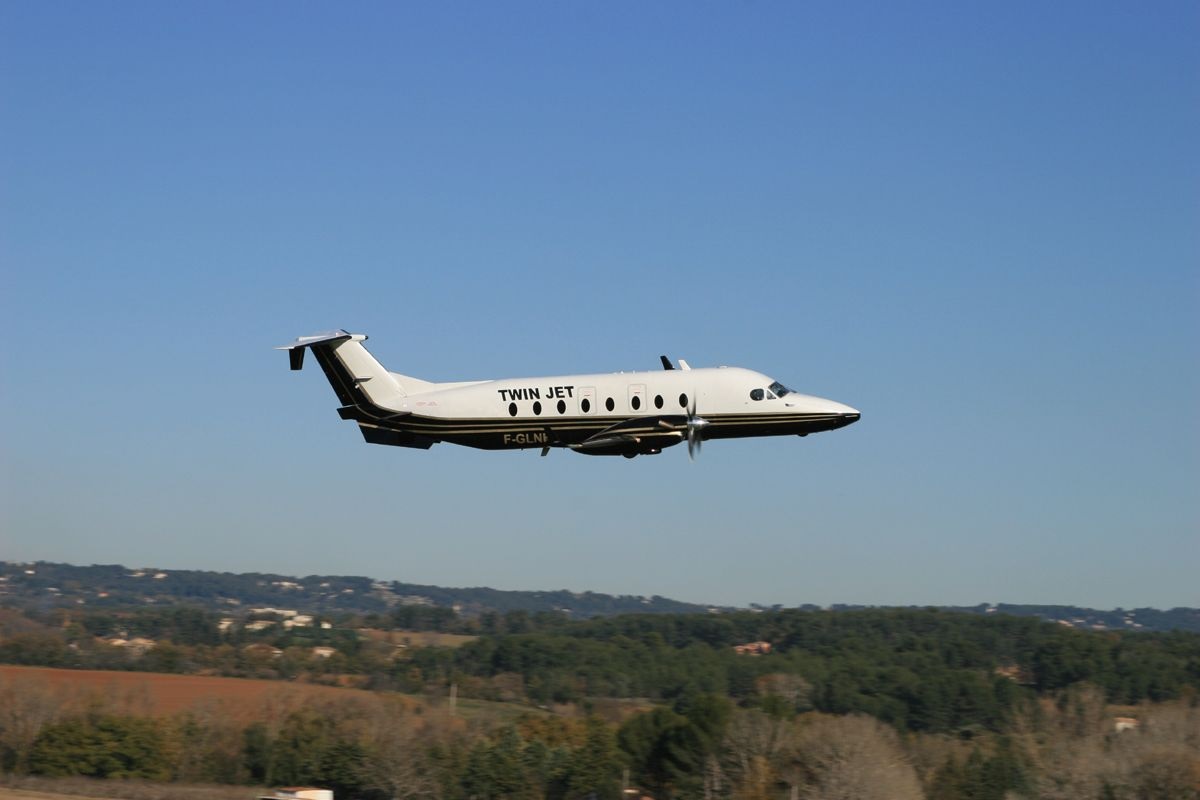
x=355 y=375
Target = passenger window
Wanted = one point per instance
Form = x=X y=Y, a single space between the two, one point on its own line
x=756 y=394
x=512 y=409
x=609 y=404
x=537 y=407
x=562 y=406
x=658 y=403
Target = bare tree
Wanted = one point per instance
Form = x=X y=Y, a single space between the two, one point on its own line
x=27 y=705
x=752 y=742
x=1075 y=752
x=757 y=781
x=849 y=758
x=793 y=690
x=398 y=762
x=1160 y=759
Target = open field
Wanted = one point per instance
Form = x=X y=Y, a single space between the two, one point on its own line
x=35 y=788
x=162 y=695
x=158 y=694
x=21 y=794
x=418 y=638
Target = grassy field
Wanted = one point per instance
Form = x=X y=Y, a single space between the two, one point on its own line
x=418 y=638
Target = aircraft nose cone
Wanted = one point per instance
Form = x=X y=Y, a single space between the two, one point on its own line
x=845 y=414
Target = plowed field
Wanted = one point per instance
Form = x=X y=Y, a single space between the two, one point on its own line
x=158 y=694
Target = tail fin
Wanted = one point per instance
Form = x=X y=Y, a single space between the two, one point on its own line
x=355 y=375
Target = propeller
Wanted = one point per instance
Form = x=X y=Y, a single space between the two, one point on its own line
x=695 y=427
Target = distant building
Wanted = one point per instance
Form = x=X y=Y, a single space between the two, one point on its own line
x=1125 y=724
x=278 y=612
x=323 y=652
x=752 y=649
x=1014 y=673
x=298 y=793
x=263 y=649
x=137 y=645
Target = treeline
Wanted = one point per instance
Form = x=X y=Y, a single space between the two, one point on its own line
x=914 y=670
x=700 y=745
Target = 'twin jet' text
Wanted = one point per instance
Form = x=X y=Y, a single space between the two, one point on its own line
x=549 y=393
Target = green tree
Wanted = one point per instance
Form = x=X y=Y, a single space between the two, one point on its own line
x=596 y=766
x=103 y=746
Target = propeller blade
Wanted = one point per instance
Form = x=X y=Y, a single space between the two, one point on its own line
x=695 y=425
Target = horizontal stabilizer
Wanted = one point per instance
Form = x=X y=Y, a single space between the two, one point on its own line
x=374 y=435
x=359 y=415
x=296 y=348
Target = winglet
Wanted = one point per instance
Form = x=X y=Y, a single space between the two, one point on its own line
x=666 y=362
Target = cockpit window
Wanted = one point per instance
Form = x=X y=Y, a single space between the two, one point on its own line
x=756 y=394
x=779 y=390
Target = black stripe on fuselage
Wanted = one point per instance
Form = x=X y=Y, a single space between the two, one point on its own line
x=521 y=433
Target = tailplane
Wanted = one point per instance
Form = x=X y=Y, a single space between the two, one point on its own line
x=355 y=375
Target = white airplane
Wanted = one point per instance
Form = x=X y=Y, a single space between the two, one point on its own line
x=623 y=413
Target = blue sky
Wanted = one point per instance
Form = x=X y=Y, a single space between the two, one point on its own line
x=976 y=223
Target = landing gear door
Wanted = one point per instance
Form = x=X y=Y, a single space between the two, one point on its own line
x=637 y=397
x=587 y=400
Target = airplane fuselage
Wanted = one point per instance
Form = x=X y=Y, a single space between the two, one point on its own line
x=569 y=409
x=624 y=413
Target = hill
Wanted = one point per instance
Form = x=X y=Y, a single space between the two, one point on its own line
x=46 y=585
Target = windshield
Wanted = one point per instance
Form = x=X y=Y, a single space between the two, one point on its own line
x=779 y=390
